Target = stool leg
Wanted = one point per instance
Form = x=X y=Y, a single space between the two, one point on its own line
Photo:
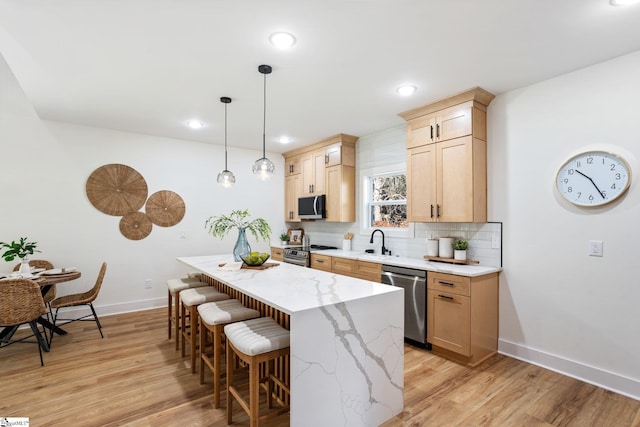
x=178 y=319
x=217 y=344
x=269 y=370
x=204 y=332
x=183 y=325
x=170 y=310
x=193 y=335
x=230 y=360
x=254 y=393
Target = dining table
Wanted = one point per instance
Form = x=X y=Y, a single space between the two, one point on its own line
x=45 y=280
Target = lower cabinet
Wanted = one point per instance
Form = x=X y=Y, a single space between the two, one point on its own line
x=277 y=254
x=347 y=267
x=463 y=316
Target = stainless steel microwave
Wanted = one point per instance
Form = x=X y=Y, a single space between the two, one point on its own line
x=312 y=207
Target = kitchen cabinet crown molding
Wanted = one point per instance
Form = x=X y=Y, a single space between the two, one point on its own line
x=339 y=138
x=480 y=98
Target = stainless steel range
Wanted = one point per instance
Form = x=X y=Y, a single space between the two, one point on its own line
x=302 y=255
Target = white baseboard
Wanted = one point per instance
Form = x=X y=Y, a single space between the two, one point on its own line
x=608 y=380
x=108 y=310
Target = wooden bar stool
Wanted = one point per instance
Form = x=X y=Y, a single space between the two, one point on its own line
x=190 y=299
x=255 y=341
x=174 y=286
x=213 y=318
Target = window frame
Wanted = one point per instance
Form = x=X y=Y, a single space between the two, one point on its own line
x=364 y=177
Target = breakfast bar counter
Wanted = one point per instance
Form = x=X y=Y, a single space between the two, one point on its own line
x=347 y=335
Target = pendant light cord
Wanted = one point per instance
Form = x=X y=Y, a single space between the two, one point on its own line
x=264 y=117
x=225 y=137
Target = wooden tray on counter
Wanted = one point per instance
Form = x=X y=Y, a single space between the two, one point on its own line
x=255 y=267
x=451 y=260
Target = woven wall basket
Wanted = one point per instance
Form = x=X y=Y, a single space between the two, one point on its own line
x=165 y=208
x=135 y=225
x=116 y=189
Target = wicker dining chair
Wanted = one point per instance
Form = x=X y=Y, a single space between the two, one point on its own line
x=85 y=298
x=22 y=303
x=51 y=293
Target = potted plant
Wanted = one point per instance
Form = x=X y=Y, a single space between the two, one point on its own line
x=21 y=249
x=460 y=249
x=219 y=226
x=284 y=239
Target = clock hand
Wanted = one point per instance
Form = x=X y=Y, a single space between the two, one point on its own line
x=594 y=184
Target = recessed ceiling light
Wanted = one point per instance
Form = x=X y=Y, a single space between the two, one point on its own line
x=282 y=40
x=406 y=90
x=195 y=124
x=622 y=2
x=285 y=140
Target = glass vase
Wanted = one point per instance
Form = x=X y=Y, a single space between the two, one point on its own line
x=242 y=245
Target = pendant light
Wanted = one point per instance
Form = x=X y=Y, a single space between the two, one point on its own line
x=263 y=167
x=226 y=178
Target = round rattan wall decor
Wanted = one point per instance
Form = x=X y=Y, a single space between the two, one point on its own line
x=135 y=225
x=116 y=189
x=165 y=208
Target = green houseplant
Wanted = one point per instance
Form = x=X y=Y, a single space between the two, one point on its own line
x=219 y=226
x=460 y=249
x=284 y=238
x=20 y=249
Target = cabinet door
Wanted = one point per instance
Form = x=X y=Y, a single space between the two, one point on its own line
x=308 y=174
x=421 y=131
x=340 y=191
x=277 y=254
x=449 y=323
x=333 y=155
x=454 y=122
x=321 y=262
x=318 y=172
x=368 y=271
x=421 y=184
x=342 y=266
x=454 y=163
x=293 y=166
x=292 y=190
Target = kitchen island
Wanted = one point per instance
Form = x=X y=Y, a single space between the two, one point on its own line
x=347 y=335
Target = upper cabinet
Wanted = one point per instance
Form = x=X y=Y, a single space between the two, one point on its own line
x=326 y=167
x=447 y=159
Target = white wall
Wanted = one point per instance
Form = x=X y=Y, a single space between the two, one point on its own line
x=45 y=166
x=558 y=306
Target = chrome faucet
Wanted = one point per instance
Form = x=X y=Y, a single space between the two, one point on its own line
x=383 y=250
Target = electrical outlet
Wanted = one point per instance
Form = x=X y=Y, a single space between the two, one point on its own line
x=147 y=284
x=183 y=234
x=595 y=247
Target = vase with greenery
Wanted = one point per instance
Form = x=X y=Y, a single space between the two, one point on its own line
x=20 y=249
x=219 y=226
x=460 y=249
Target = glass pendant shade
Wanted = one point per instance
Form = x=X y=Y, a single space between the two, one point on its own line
x=264 y=168
x=226 y=178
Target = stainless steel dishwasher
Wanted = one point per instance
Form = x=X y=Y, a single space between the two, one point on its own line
x=414 y=283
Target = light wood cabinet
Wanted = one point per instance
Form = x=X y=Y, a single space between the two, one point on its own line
x=292 y=190
x=463 y=316
x=344 y=266
x=321 y=262
x=277 y=254
x=326 y=167
x=447 y=159
x=368 y=270
x=293 y=166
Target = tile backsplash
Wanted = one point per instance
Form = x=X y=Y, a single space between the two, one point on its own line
x=485 y=240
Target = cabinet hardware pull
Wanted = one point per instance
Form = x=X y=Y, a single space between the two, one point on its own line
x=438 y=211
x=431 y=132
x=445 y=297
x=437 y=131
x=326 y=159
x=321 y=261
x=446 y=283
x=431 y=211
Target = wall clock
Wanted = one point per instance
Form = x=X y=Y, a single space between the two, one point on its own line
x=593 y=178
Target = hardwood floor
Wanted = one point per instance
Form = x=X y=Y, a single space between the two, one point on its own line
x=134 y=377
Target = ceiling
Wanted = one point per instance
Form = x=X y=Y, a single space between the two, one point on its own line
x=147 y=66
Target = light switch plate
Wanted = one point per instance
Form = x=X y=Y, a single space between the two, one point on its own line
x=595 y=247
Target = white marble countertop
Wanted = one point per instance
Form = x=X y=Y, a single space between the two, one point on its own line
x=468 y=270
x=287 y=287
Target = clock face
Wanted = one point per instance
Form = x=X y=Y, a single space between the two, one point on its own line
x=593 y=178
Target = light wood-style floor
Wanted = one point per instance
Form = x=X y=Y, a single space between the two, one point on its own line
x=134 y=377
